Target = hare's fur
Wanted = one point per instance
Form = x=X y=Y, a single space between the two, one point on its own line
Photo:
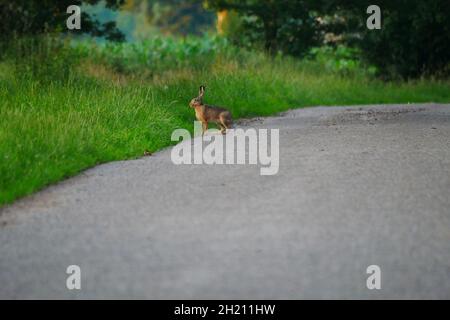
x=207 y=113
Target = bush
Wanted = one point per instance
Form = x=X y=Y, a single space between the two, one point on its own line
x=414 y=39
x=341 y=60
x=290 y=27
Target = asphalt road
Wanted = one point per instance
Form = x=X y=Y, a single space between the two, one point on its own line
x=355 y=187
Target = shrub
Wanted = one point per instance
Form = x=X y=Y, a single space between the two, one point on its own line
x=414 y=39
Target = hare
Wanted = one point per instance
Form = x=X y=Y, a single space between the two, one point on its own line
x=206 y=113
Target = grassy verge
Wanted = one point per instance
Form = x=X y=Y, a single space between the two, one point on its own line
x=88 y=106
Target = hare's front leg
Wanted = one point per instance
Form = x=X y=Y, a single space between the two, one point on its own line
x=204 y=127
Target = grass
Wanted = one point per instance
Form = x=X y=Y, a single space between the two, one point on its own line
x=66 y=107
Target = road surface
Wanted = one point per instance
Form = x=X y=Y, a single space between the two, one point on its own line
x=357 y=186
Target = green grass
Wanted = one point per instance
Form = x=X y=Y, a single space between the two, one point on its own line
x=69 y=108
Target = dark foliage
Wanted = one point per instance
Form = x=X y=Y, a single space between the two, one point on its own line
x=414 y=38
x=34 y=17
x=281 y=25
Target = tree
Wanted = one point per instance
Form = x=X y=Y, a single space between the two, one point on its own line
x=287 y=25
x=179 y=16
x=414 y=38
x=34 y=17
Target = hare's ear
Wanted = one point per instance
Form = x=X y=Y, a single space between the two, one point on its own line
x=201 y=91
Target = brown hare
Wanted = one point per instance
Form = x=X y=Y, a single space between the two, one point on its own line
x=206 y=113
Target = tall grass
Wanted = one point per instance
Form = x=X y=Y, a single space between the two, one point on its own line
x=68 y=106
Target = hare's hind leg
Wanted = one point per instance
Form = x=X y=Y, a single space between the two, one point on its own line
x=225 y=124
x=204 y=127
